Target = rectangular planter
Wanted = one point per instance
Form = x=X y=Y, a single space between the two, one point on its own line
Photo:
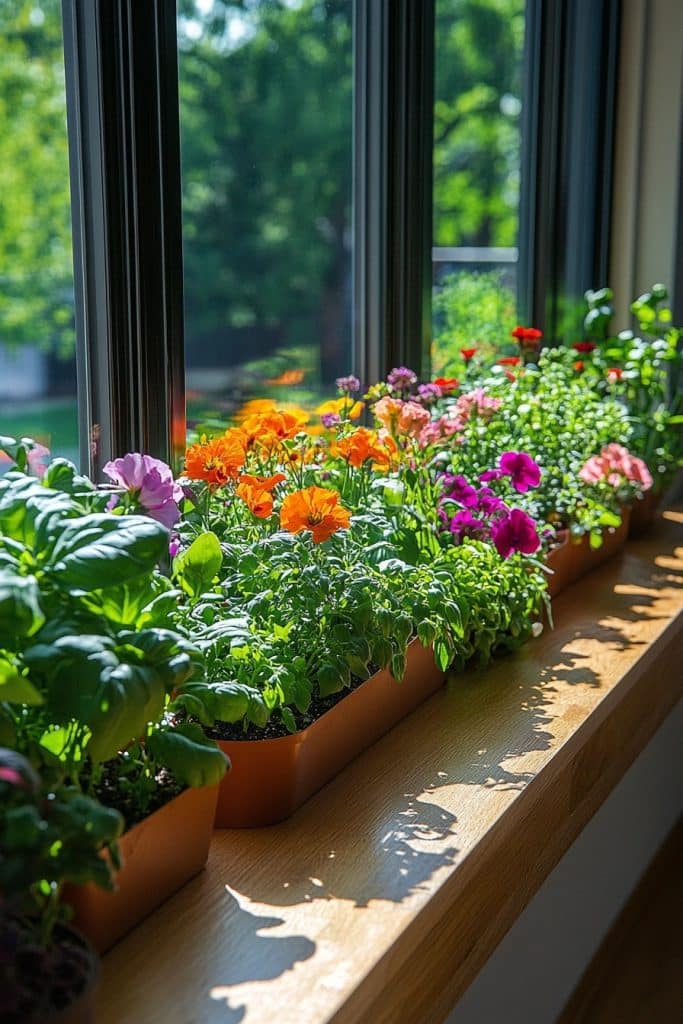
x=270 y=778
x=159 y=854
x=571 y=559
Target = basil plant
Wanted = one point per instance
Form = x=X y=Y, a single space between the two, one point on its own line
x=88 y=665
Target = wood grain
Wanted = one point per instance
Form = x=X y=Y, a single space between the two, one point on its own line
x=383 y=896
x=636 y=977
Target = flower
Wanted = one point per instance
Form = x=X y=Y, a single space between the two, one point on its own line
x=490 y=474
x=477 y=402
x=264 y=483
x=446 y=384
x=287 y=378
x=401 y=378
x=412 y=418
x=216 y=461
x=456 y=488
x=524 y=472
x=150 y=483
x=428 y=393
x=584 y=346
x=364 y=446
x=613 y=374
x=488 y=502
x=508 y=361
x=340 y=407
x=468 y=353
x=387 y=411
x=316 y=509
x=37 y=457
x=616 y=466
x=330 y=419
x=463 y=523
x=349 y=385
x=579 y=366
x=258 y=500
x=516 y=531
x=528 y=337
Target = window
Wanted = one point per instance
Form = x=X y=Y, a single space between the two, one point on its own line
x=37 y=338
x=305 y=205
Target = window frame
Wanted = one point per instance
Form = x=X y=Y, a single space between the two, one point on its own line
x=124 y=142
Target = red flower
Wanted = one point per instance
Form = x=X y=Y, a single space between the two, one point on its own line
x=614 y=374
x=468 y=353
x=584 y=346
x=579 y=366
x=528 y=337
x=509 y=361
x=447 y=383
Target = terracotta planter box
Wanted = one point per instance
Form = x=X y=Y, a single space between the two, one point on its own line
x=159 y=854
x=269 y=779
x=643 y=513
x=571 y=560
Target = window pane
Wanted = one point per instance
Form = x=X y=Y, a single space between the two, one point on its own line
x=266 y=134
x=37 y=362
x=477 y=136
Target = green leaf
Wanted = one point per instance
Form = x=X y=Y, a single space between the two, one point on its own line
x=101 y=547
x=190 y=756
x=16 y=688
x=220 y=702
x=197 y=567
x=20 y=611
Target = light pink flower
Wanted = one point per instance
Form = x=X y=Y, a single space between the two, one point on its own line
x=150 y=482
x=412 y=418
x=37 y=457
x=387 y=411
x=479 y=402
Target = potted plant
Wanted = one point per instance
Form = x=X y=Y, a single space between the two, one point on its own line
x=50 y=834
x=88 y=667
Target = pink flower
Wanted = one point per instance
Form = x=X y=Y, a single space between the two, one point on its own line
x=150 y=482
x=412 y=418
x=593 y=471
x=37 y=458
x=479 y=403
x=437 y=430
x=515 y=532
x=616 y=466
x=456 y=488
x=522 y=469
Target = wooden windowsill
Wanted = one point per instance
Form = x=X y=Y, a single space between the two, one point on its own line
x=384 y=895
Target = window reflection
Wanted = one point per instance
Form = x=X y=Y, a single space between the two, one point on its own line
x=477 y=118
x=37 y=362
x=266 y=135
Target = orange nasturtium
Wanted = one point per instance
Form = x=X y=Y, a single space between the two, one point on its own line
x=316 y=509
x=216 y=461
x=364 y=446
x=255 y=492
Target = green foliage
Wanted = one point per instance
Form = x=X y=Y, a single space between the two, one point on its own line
x=470 y=310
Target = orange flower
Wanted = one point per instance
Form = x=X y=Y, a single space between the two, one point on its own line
x=263 y=483
x=274 y=425
x=287 y=378
x=363 y=446
x=215 y=461
x=316 y=509
x=255 y=407
x=258 y=500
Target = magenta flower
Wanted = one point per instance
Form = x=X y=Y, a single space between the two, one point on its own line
x=515 y=532
x=488 y=502
x=150 y=483
x=522 y=469
x=490 y=474
x=464 y=522
x=457 y=489
x=429 y=393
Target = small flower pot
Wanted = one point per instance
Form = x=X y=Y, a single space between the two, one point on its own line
x=572 y=559
x=159 y=855
x=271 y=778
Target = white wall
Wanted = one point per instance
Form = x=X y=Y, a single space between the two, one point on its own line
x=535 y=968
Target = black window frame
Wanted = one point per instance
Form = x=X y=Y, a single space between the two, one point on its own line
x=123 y=124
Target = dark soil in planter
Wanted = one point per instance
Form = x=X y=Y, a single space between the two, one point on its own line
x=275 y=728
x=37 y=983
x=110 y=792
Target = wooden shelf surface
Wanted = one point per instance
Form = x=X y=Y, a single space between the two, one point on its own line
x=384 y=895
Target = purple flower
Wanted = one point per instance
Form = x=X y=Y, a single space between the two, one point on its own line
x=401 y=378
x=349 y=385
x=150 y=482
x=515 y=532
x=522 y=469
x=488 y=502
x=464 y=522
x=330 y=419
x=429 y=393
x=457 y=489
x=490 y=474
x=173 y=546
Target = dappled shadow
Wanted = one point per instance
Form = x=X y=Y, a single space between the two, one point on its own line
x=270 y=956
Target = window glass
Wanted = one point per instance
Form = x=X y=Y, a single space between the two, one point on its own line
x=477 y=136
x=266 y=137
x=37 y=340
